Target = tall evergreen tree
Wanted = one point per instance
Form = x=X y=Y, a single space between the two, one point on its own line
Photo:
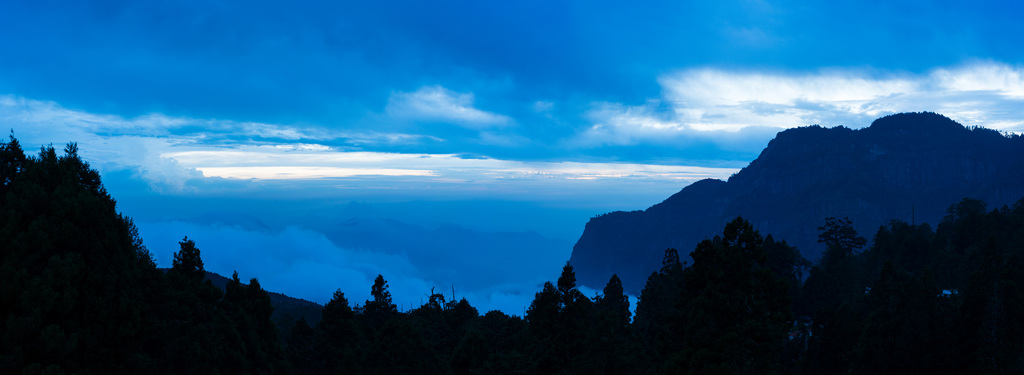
x=252 y=344
x=192 y=316
x=187 y=263
x=560 y=320
x=661 y=304
x=12 y=161
x=837 y=275
x=614 y=304
x=613 y=347
x=739 y=315
x=380 y=308
x=339 y=340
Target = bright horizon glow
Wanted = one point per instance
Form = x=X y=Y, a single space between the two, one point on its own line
x=304 y=173
x=272 y=164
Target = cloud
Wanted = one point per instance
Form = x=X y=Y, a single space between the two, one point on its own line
x=108 y=142
x=253 y=162
x=586 y=171
x=296 y=261
x=147 y=144
x=388 y=139
x=491 y=138
x=708 y=103
x=702 y=115
x=543 y=106
x=618 y=124
x=711 y=99
x=306 y=264
x=299 y=173
x=436 y=103
x=209 y=157
x=20 y=110
x=999 y=79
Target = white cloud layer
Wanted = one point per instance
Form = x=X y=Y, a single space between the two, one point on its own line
x=1000 y=79
x=311 y=268
x=436 y=103
x=306 y=264
x=272 y=163
x=988 y=94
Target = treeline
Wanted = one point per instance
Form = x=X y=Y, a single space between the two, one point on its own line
x=942 y=301
x=79 y=293
x=918 y=300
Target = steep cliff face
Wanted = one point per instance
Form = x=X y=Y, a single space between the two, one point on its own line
x=907 y=167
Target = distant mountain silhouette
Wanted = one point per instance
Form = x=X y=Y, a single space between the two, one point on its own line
x=908 y=167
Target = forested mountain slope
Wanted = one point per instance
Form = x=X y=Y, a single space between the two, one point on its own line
x=909 y=167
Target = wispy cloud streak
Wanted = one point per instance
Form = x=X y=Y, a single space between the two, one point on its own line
x=436 y=103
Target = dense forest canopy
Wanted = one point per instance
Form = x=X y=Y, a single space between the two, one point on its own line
x=79 y=293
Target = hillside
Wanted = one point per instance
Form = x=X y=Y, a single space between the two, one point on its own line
x=909 y=167
x=287 y=310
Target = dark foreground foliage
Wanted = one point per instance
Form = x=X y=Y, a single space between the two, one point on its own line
x=79 y=293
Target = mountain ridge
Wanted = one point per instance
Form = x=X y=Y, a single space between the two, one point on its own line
x=908 y=166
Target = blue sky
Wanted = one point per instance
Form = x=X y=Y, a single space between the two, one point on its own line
x=298 y=143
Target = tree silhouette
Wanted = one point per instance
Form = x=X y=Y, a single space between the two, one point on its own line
x=659 y=312
x=610 y=337
x=339 y=339
x=837 y=277
x=739 y=313
x=839 y=237
x=187 y=262
x=12 y=161
x=378 y=310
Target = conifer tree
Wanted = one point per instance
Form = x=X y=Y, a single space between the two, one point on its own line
x=610 y=336
x=378 y=310
x=739 y=315
x=188 y=263
x=660 y=305
x=338 y=338
x=837 y=275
